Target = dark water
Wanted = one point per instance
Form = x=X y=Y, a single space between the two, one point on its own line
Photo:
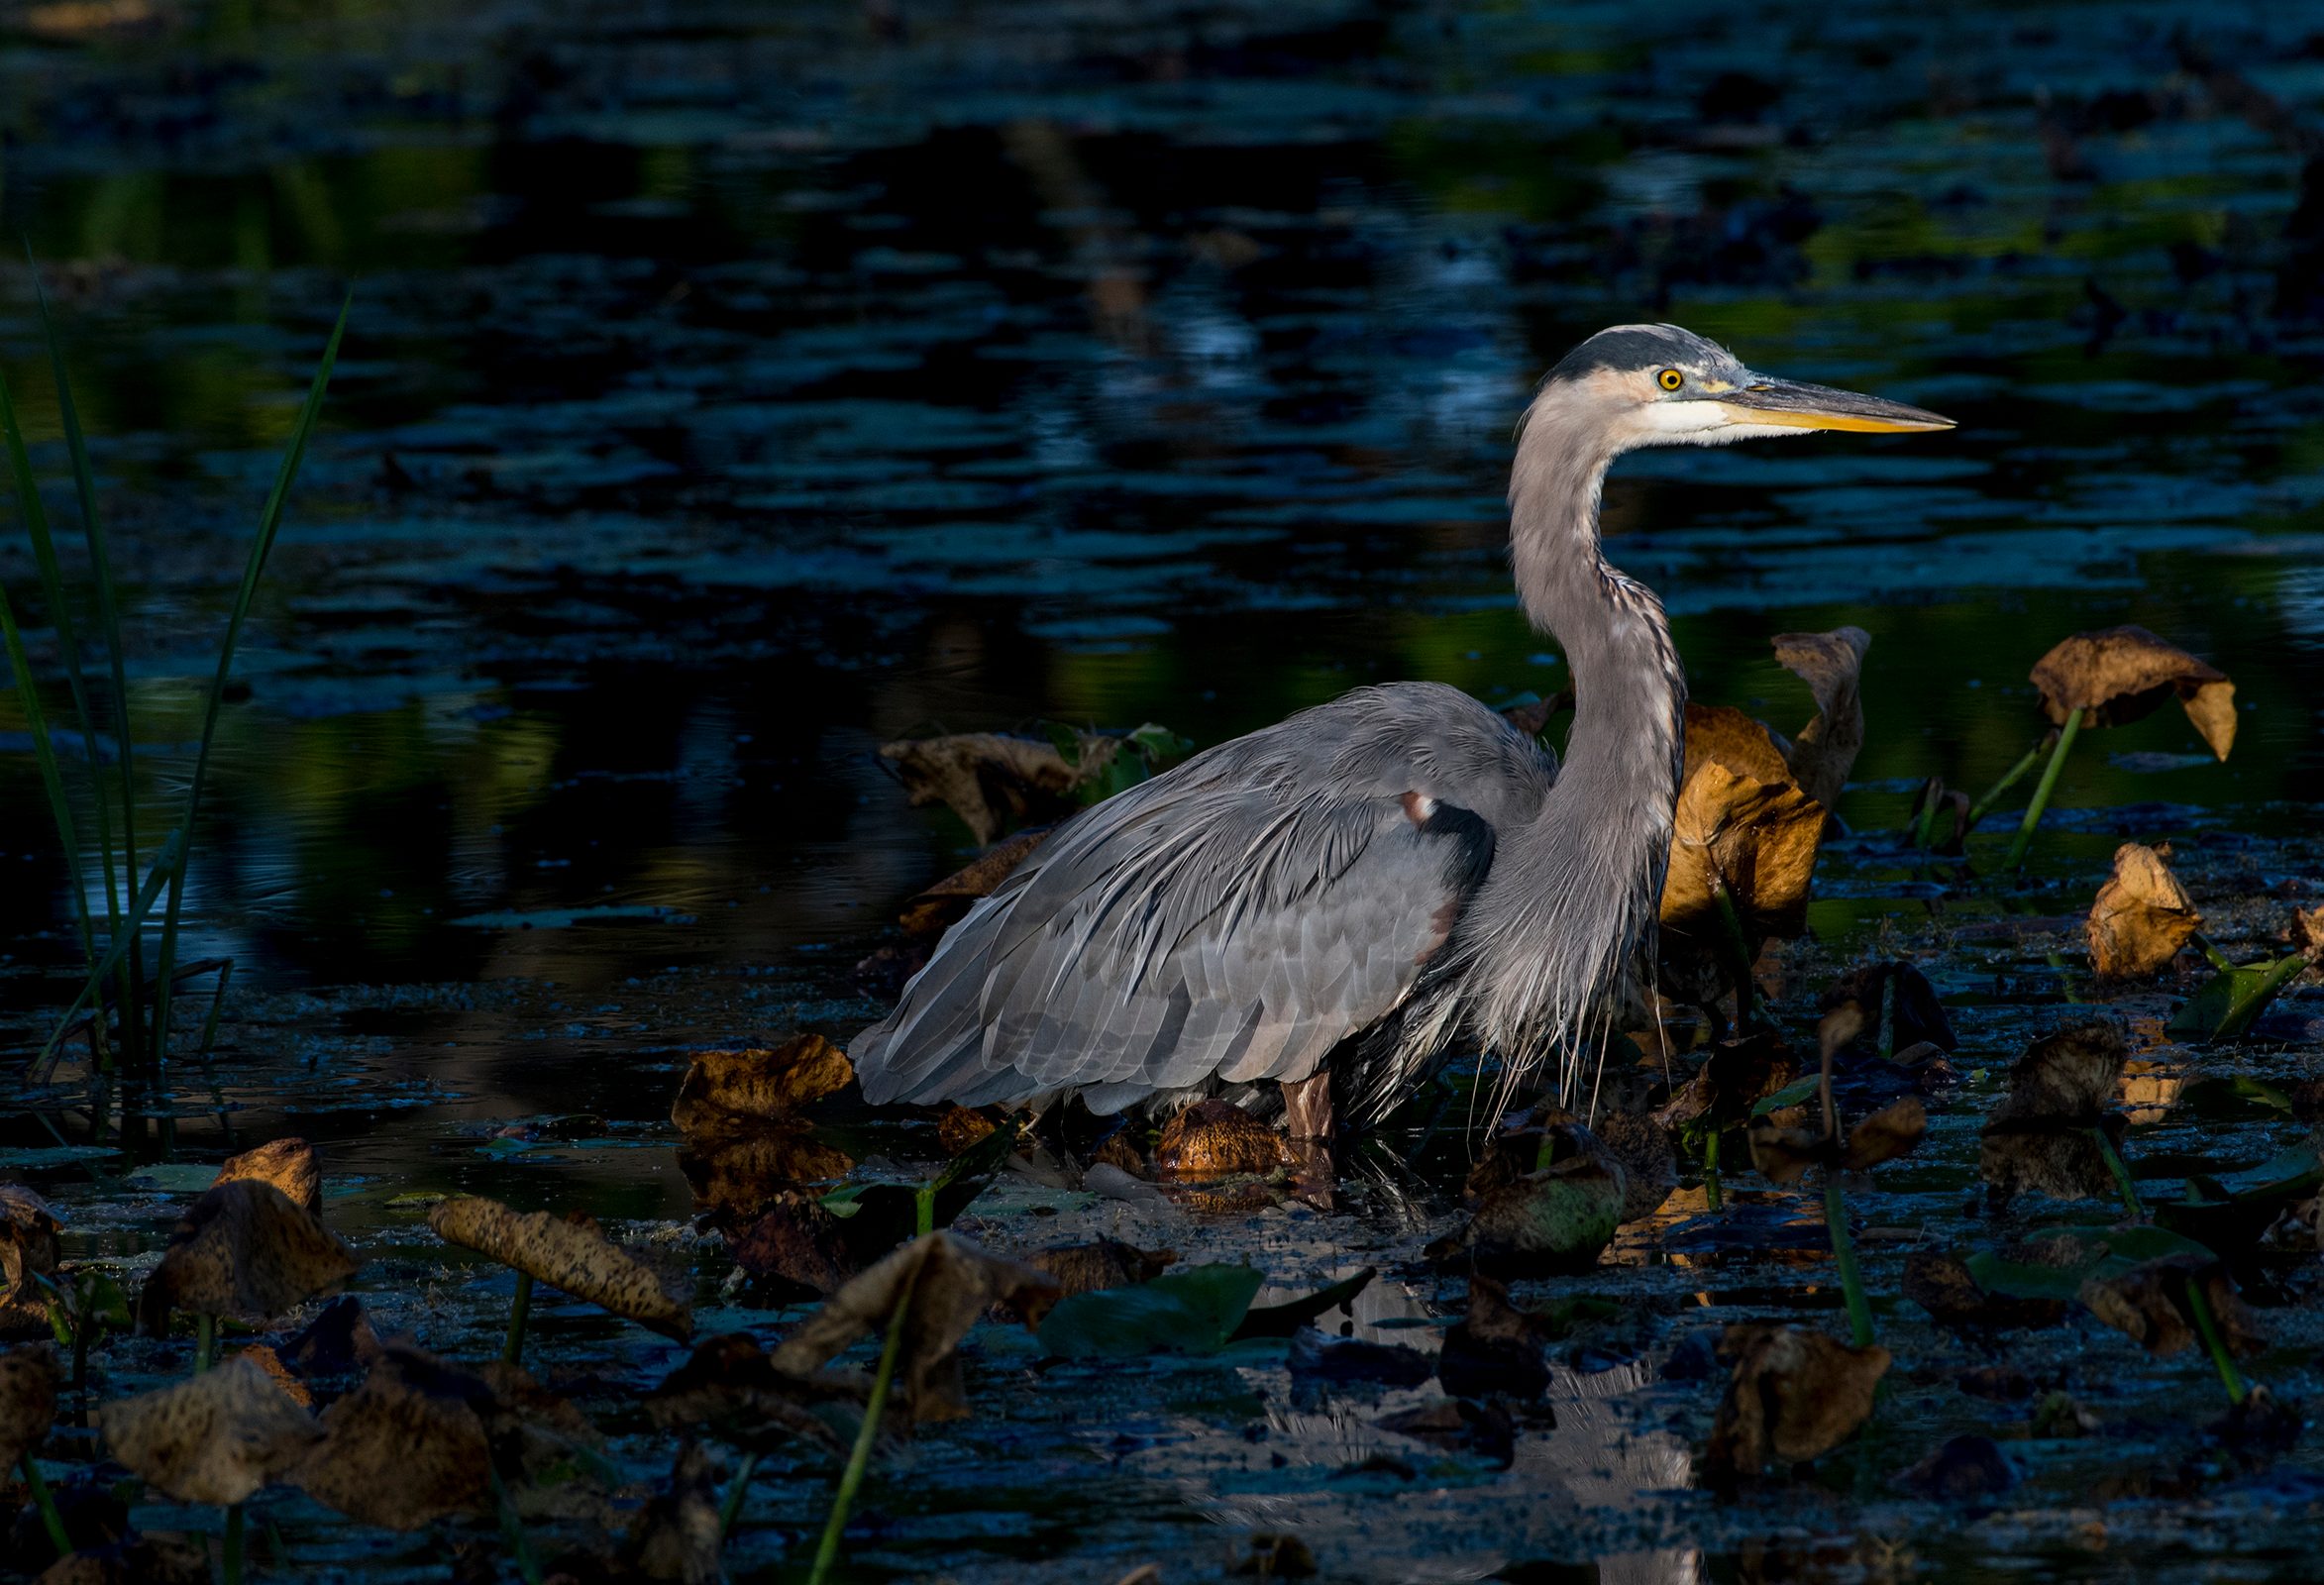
x=731 y=387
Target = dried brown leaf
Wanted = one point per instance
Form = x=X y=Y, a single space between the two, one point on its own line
x=134 y=1560
x=993 y=782
x=2149 y=1303
x=942 y=905
x=29 y=1248
x=27 y=1400
x=216 y=1438
x=963 y=1126
x=1759 y=837
x=727 y=1091
x=730 y=1389
x=1894 y=1130
x=246 y=1252
x=1107 y=1263
x=2140 y=916
x=1825 y=749
x=2065 y=1077
x=1721 y=734
x=570 y=1253
x=290 y=1165
x=795 y=1244
x=2120 y=674
x=1795 y=1395
x=952 y=1283
x=407 y=1448
x=676 y=1536
x=1214 y=1140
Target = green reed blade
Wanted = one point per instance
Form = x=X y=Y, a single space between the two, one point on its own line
x=27 y=496
x=270 y=524
x=109 y=622
x=164 y=863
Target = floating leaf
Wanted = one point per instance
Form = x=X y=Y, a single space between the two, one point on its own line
x=951 y=1283
x=2225 y=1006
x=2140 y=916
x=1794 y=1395
x=1559 y=1218
x=1190 y=1312
x=570 y=1253
x=2230 y=1211
x=2121 y=674
x=1217 y=1139
x=246 y=1252
x=2055 y=1268
x=728 y=1090
x=29 y=1253
x=216 y=1438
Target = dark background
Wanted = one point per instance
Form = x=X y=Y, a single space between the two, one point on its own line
x=732 y=387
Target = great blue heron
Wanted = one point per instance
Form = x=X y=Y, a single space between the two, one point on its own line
x=1331 y=901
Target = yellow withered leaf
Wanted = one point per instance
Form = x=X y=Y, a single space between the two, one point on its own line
x=2140 y=916
x=1756 y=837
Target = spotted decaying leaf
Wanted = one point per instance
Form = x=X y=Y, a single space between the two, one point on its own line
x=1794 y=1395
x=570 y=1253
x=216 y=1438
x=1217 y=1139
x=2140 y=916
x=993 y=782
x=951 y=1283
x=1825 y=749
x=134 y=1560
x=27 y=1400
x=2119 y=674
x=942 y=905
x=29 y=1248
x=1107 y=1263
x=404 y=1449
x=2149 y=1303
x=246 y=1252
x=290 y=1165
x=724 y=1091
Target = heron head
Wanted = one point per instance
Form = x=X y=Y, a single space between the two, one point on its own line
x=1660 y=386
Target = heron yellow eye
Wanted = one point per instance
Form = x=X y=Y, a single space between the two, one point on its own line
x=1670 y=378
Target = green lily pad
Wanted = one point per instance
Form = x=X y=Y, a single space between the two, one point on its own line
x=1190 y=1312
x=2231 y=1209
x=1796 y=1093
x=2233 y=1096
x=2226 y=1005
x=2105 y=1252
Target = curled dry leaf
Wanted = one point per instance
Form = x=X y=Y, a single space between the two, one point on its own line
x=337 y=1342
x=1107 y=1263
x=1894 y=1130
x=2067 y=1077
x=1826 y=750
x=1782 y=1152
x=951 y=1283
x=27 y=1400
x=2149 y=1303
x=729 y=1388
x=216 y=1438
x=29 y=1248
x=2140 y=916
x=290 y=1165
x=570 y=1253
x=942 y=905
x=2120 y=674
x=246 y=1252
x=1217 y=1139
x=1795 y=1395
x=962 y=1127
x=727 y=1091
x=676 y=1536
x=1758 y=837
x=994 y=781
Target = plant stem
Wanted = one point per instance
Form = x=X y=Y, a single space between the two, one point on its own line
x=233 y=1564
x=737 y=1489
x=512 y=1529
x=2209 y=1326
x=45 y=1504
x=2247 y=1006
x=859 y=1456
x=2123 y=1181
x=518 y=1313
x=2042 y=789
x=1710 y=1195
x=2009 y=778
x=2210 y=950
x=924 y=1210
x=205 y=1340
x=1843 y=1253
x=1739 y=954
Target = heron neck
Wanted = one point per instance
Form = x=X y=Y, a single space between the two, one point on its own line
x=1573 y=893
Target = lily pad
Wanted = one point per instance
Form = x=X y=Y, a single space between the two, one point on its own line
x=1190 y=1312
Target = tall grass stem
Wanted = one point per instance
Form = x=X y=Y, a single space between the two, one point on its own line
x=860 y=1456
x=2041 y=790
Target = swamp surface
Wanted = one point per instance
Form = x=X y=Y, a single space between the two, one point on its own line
x=731 y=388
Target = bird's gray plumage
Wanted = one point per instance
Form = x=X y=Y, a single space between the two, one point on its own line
x=1387 y=873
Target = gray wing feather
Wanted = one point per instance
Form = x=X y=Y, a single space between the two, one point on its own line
x=1234 y=918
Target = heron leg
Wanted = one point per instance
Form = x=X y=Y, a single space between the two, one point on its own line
x=1307 y=1107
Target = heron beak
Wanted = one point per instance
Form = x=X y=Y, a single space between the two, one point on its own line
x=1790 y=404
